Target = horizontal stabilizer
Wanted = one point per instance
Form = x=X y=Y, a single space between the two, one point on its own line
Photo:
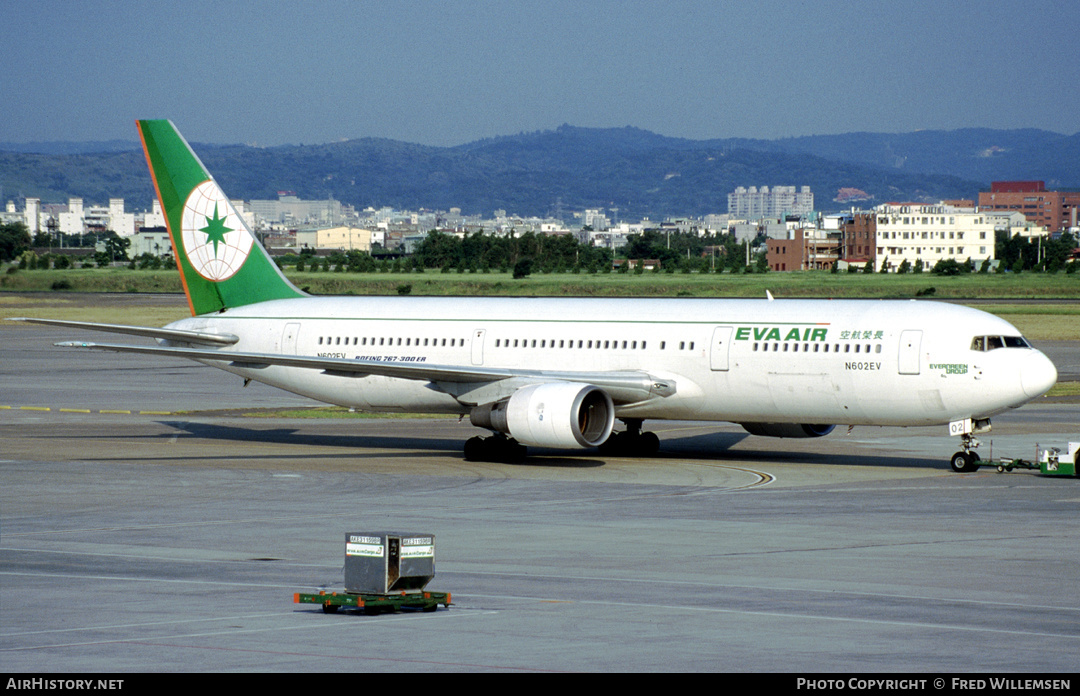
x=210 y=339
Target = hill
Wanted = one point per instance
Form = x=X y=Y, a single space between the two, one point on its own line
x=569 y=168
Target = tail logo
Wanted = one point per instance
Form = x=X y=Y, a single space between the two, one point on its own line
x=216 y=241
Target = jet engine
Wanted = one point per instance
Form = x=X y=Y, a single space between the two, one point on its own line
x=554 y=414
x=787 y=429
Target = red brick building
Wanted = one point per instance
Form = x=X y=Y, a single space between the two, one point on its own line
x=860 y=237
x=1054 y=210
x=803 y=252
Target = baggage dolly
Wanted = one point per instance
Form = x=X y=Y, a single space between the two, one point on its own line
x=371 y=603
x=384 y=572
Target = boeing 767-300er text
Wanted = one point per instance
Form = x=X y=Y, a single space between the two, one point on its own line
x=558 y=372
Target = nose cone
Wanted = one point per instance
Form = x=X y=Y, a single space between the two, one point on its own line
x=1037 y=374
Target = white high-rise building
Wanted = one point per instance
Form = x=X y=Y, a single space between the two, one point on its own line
x=755 y=203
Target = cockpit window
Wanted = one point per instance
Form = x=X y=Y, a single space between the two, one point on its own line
x=985 y=343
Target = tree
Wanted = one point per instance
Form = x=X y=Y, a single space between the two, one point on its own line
x=148 y=261
x=761 y=263
x=14 y=240
x=360 y=262
x=947 y=267
x=522 y=269
x=1056 y=251
x=116 y=246
x=439 y=250
x=28 y=260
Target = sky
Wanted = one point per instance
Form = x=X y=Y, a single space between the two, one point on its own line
x=445 y=73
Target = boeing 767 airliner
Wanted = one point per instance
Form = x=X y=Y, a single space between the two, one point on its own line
x=558 y=372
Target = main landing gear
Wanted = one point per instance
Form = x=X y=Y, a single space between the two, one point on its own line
x=628 y=443
x=631 y=442
x=497 y=448
x=967 y=459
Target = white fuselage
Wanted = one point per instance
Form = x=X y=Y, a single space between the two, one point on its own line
x=783 y=361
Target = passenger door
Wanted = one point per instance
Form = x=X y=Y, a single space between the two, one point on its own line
x=720 y=348
x=478 y=346
x=910 y=345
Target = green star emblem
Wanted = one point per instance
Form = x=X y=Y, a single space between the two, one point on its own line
x=215 y=229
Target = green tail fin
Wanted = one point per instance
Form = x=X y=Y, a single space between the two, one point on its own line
x=221 y=263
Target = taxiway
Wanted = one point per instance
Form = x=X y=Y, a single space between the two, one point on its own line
x=148 y=524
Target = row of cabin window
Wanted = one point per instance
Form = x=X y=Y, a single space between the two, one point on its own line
x=392 y=341
x=581 y=343
x=794 y=347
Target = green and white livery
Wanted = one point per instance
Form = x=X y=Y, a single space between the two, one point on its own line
x=216 y=245
x=557 y=372
x=220 y=263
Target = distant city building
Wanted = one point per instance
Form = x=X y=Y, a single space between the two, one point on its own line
x=890 y=235
x=805 y=249
x=81 y=219
x=858 y=233
x=754 y=203
x=340 y=238
x=930 y=233
x=595 y=219
x=150 y=240
x=1054 y=210
x=716 y=223
x=154 y=218
x=292 y=210
x=773 y=228
x=1015 y=224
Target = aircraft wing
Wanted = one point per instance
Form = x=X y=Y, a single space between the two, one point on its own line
x=467 y=382
x=200 y=337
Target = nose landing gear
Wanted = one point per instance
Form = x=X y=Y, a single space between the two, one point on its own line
x=967 y=459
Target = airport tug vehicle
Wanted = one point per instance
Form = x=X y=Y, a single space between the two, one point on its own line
x=1049 y=461
x=384 y=572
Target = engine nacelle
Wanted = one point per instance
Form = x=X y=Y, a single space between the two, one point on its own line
x=555 y=414
x=787 y=429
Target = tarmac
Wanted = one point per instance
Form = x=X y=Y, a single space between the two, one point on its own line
x=149 y=524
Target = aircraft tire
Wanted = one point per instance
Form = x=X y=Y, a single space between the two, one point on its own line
x=649 y=443
x=612 y=445
x=494 y=449
x=474 y=449
x=963 y=462
x=626 y=444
